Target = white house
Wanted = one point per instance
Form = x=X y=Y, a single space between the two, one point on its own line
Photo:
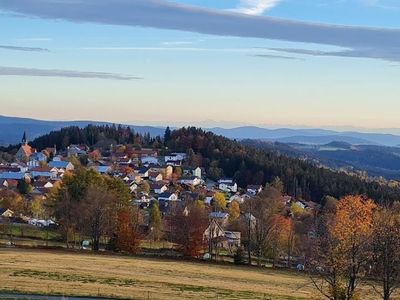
x=65 y=165
x=35 y=159
x=254 y=189
x=227 y=185
x=149 y=160
x=191 y=180
x=4 y=212
x=158 y=187
x=46 y=172
x=167 y=197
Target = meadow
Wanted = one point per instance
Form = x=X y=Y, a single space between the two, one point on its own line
x=52 y=272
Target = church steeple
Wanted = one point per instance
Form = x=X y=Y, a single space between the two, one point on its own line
x=24 y=139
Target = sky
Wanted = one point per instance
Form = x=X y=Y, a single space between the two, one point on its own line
x=271 y=63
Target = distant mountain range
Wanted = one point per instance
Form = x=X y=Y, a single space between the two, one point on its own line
x=376 y=153
x=12 y=128
x=309 y=136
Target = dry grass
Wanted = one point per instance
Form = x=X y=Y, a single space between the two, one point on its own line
x=47 y=272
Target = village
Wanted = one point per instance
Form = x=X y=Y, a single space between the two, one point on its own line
x=164 y=179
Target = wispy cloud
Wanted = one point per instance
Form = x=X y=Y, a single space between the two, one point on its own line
x=28 y=49
x=387 y=54
x=274 y=56
x=363 y=41
x=255 y=7
x=17 y=71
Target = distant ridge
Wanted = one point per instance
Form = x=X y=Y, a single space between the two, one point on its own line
x=12 y=128
x=309 y=136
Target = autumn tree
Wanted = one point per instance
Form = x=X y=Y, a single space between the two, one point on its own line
x=219 y=202
x=234 y=211
x=127 y=235
x=386 y=256
x=342 y=251
x=188 y=226
x=11 y=200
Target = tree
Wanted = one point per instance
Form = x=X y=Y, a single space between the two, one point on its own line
x=167 y=135
x=155 y=222
x=188 y=226
x=264 y=207
x=219 y=201
x=37 y=207
x=386 y=256
x=342 y=252
x=277 y=184
x=96 y=214
x=144 y=187
x=234 y=211
x=11 y=200
x=127 y=234
x=24 y=187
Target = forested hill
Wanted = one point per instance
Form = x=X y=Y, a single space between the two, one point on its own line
x=221 y=157
x=224 y=157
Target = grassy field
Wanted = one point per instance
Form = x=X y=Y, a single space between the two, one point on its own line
x=50 y=272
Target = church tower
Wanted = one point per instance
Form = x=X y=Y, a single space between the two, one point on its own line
x=24 y=139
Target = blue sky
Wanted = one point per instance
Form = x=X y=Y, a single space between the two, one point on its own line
x=300 y=63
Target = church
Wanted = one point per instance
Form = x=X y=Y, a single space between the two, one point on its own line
x=25 y=151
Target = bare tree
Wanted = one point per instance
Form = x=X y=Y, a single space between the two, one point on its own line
x=96 y=211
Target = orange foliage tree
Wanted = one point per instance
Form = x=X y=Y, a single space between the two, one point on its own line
x=127 y=234
x=189 y=224
x=342 y=251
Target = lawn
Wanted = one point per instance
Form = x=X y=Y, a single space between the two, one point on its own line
x=86 y=274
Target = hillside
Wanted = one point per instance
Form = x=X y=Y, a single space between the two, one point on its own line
x=376 y=160
x=254 y=163
x=12 y=128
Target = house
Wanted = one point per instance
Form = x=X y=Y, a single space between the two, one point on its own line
x=65 y=165
x=234 y=238
x=47 y=184
x=219 y=216
x=158 y=187
x=35 y=159
x=24 y=152
x=144 y=153
x=102 y=169
x=149 y=160
x=166 y=196
x=8 y=183
x=77 y=150
x=191 y=180
x=6 y=213
x=46 y=172
x=175 y=157
x=238 y=198
x=143 y=172
x=227 y=185
x=14 y=175
x=188 y=171
x=155 y=176
x=213 y=230
x=254 y=189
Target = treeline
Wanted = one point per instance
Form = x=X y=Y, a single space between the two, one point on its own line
x=92 y=135
x=249 y=165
